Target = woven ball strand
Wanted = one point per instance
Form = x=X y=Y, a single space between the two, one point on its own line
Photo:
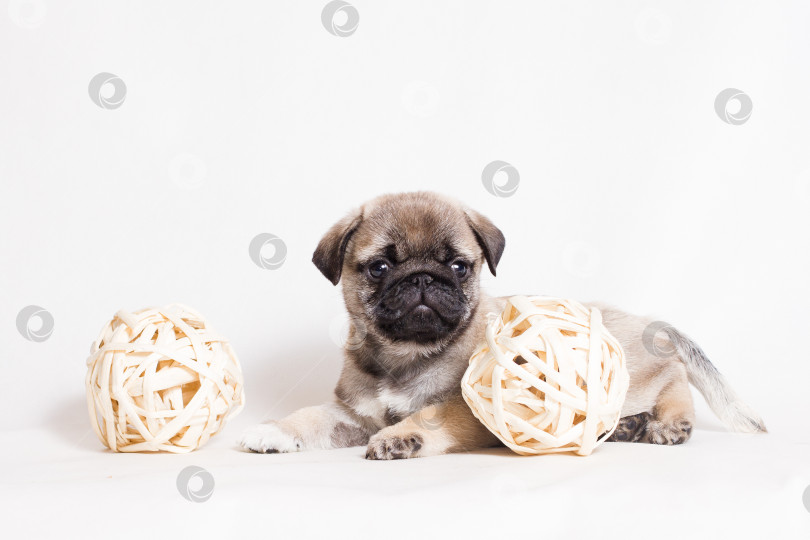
x=161 y=380
x=548 y=377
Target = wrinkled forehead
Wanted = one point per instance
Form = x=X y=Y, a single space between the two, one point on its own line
x=415 y=233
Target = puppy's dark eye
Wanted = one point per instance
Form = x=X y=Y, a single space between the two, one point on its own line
x=378 y=268
x=460 y=268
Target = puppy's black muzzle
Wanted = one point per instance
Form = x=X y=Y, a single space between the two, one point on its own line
x=422 y=306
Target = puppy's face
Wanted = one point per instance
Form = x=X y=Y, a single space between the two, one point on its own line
x=410 y=265
x=414 y=273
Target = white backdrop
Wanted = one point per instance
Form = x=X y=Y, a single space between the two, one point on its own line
x=241 y=118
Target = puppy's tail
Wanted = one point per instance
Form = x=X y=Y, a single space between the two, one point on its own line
x=718 y=393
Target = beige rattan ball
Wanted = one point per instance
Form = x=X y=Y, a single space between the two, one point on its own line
x=549 y=377
x=161 y=380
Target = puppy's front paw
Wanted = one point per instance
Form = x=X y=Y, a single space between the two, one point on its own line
x=394 y=446
x=269 y=439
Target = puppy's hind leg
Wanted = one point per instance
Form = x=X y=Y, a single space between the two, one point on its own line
x=631 y=428
x=673 y=415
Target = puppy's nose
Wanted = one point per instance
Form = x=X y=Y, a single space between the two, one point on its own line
x=422 y=280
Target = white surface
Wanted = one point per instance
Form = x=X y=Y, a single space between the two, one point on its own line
x=249 y=117
x=719 y=485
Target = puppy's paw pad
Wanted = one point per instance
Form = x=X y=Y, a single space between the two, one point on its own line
x=677 y=432
x=631 y=428
x=394 y=447
x=268 y=439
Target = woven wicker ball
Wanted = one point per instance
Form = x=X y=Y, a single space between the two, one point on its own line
x=161 y=380
x=549 y=377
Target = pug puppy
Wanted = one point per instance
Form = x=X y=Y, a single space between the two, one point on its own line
x=410 y=265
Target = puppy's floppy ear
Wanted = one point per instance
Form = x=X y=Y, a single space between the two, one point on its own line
x=489 y=237
x=328 y=256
